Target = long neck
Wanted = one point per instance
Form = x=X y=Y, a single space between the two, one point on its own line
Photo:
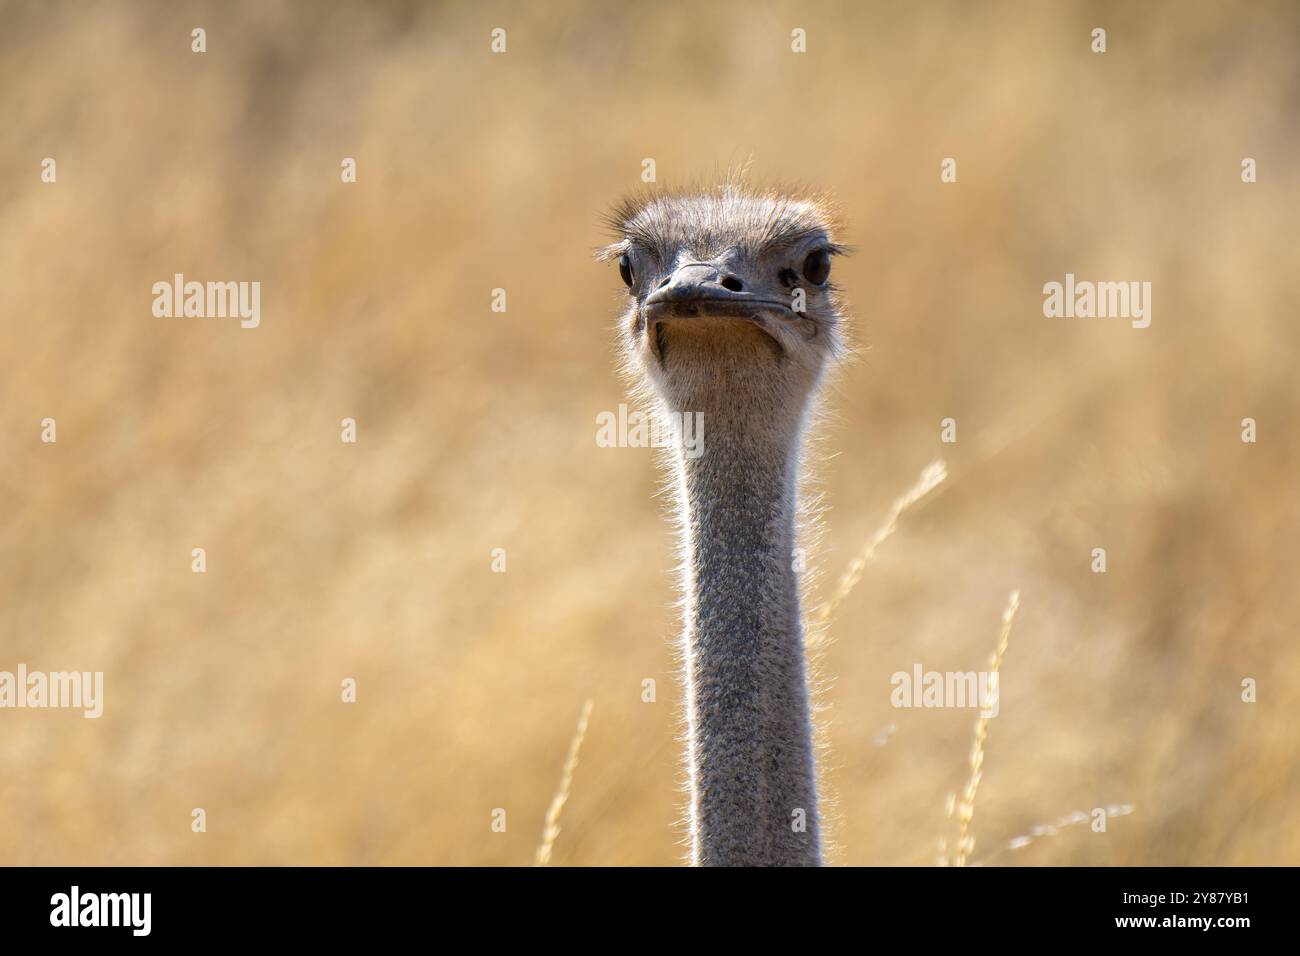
x=752 y=780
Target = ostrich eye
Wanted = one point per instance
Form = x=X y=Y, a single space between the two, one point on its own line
x=625 y=270
x=817 y=267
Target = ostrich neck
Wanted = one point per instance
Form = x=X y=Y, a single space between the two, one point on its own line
x=753 y=787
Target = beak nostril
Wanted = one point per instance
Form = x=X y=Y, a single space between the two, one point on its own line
x=667 y=279
x=732 y=283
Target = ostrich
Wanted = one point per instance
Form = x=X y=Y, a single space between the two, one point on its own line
x=732 y=315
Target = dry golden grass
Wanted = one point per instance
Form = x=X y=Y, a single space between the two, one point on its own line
x=551 y=832
x=820 y=619
x=476 y=429
x=965 y=807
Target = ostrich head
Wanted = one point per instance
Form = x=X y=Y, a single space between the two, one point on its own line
x=731 y=305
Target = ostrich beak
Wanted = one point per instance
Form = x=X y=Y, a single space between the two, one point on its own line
x=701 y=289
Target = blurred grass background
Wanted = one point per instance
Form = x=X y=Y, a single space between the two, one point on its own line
x=476 y=429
